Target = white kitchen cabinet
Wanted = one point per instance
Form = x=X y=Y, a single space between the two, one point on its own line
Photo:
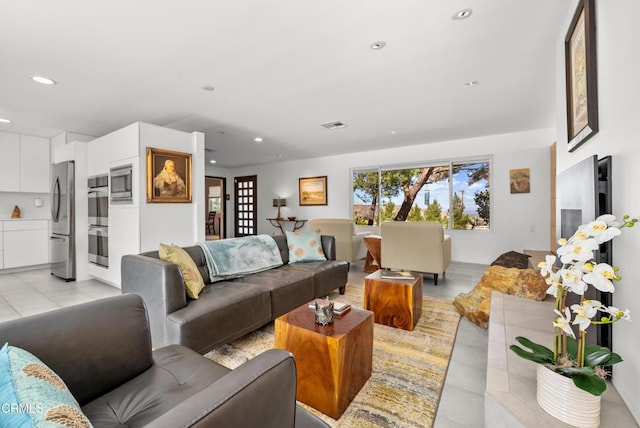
x=25 y=163
x=25 y=243
x=34 y=164
x=10 y=171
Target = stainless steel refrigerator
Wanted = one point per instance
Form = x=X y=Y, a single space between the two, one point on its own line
x=62 y=243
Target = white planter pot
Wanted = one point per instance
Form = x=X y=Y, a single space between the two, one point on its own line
x=559 y=397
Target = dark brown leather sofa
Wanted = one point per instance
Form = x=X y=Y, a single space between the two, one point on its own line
x=102 y=351
x=226 y=310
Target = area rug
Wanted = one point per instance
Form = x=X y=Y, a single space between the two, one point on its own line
x=408 y=373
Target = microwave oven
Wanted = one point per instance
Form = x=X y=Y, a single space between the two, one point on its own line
x=121 y=188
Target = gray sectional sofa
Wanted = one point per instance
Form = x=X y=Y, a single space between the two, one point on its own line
x=226 y=310
x=102 y=352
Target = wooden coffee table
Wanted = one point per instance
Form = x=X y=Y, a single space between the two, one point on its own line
x=394 y=302
x=333 y=362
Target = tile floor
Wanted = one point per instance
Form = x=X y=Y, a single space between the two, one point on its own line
x=461 y=405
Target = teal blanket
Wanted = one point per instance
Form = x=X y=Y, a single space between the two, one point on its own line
x=236 y=257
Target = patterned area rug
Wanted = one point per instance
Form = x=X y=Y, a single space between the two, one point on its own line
x=408 y=367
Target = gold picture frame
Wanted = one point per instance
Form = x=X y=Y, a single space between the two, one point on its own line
x=581 y=78
x=519 y=180
x=312 y=190
x=168 y=176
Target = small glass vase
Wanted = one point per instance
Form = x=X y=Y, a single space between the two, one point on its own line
x=562 y=399
x=324 y=313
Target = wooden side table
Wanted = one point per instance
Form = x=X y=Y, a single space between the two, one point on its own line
x=373 y=261
x=333 y=362
x=394 y=302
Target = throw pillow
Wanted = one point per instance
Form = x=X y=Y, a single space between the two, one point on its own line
x=32 y=395
x=193 y=281
x=304 y=247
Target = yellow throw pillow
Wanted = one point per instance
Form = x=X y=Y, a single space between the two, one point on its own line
x=192 y=279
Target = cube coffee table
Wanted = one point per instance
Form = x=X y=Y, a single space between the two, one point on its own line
x=333 y=362
x=394 y=302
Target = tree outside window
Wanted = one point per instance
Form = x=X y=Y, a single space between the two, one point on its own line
x=422 y=194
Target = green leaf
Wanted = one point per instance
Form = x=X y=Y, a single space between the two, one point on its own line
x=531 y=356
x=537 y=349
x=613 y=359
x=573 y=371
x=592 y=384
x=596 y=357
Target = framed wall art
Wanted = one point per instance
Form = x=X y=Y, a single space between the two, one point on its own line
x=581 y=78
x=313 y=190
x=168 y=176
x=519 y=180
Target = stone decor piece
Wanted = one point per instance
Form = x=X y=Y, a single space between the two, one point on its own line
x=525 y=283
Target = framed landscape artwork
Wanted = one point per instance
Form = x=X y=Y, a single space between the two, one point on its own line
x=581 y=79
x=313 y=190
x=168 y=176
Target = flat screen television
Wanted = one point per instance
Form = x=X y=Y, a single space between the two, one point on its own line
x=583 y=192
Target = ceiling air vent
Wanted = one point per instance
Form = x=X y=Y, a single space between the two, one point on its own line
x=334 y=125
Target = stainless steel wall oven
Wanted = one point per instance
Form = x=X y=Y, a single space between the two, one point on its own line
x=98 y=198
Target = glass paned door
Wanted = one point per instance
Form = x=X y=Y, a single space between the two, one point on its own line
x=245 y=205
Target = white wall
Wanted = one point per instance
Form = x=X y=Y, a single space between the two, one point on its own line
x=513 y=216
x=618 y=52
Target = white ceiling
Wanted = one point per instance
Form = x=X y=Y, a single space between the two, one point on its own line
x=280 y=69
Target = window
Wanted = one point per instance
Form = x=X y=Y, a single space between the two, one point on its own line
x=429 y=192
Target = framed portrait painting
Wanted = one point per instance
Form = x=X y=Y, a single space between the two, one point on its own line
x=581 y=79
x=168 y=176
x=313 y=190
x=519 y=180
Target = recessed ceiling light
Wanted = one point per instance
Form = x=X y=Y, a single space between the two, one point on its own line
x=462 y=14
x=43 y=80
x=208 y=88
x=471 y=83
x=212 y=161
x=378 y=45
x=3 y=120
x=393 y=132
x=258 y=139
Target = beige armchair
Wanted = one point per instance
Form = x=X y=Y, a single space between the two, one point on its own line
x=349 y=244
x=419 y=246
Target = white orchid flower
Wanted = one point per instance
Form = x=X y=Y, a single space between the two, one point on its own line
x=546 y=267
x=584 y=312
x=577 y=251
x=610 y=220
x=572 y=280
x=562 y=322
x=600 y=277
x=553 y=281
x=619 y=314
x=600 y=230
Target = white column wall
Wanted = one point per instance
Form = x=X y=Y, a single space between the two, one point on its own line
x=618 y=54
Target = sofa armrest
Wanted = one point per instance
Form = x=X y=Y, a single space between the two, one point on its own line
x=161 y=286
x=261 y=392
x=329 y=246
